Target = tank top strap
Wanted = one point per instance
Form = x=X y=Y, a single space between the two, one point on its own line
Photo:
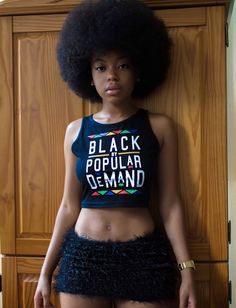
x=76 y=144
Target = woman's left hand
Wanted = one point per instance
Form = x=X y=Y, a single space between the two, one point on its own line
x=187 y=292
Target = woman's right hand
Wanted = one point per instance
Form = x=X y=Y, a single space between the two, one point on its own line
x=42 y=293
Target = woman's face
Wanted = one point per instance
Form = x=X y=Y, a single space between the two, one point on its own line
x=114 y=76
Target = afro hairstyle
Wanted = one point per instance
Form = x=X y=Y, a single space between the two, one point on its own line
x=101 y=26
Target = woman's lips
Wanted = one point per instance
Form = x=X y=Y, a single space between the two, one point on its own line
x=113 y=90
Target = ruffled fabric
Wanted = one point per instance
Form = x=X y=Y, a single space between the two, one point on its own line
x=139 y=269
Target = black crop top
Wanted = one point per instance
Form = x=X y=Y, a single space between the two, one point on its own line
x=116 y=162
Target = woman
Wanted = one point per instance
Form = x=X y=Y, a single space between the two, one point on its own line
x=105 y=239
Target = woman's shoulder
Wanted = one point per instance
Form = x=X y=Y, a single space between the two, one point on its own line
x=73 y=129
x=161 y=124
x=160 y=119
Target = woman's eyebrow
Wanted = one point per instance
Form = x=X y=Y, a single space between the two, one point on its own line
x=98 y=60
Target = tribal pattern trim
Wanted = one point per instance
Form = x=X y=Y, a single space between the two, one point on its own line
x=115 y=192
x=114 y=132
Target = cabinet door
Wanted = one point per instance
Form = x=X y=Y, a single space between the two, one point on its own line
x=7 y=189
x=21 y=276
x=194 y=96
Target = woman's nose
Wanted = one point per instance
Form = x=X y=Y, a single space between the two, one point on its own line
x=112 y=74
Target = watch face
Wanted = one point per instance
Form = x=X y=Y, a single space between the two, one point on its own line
x=191 y=264
x=186 y=264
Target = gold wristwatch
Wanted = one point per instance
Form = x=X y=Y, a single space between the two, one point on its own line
x=186 y=264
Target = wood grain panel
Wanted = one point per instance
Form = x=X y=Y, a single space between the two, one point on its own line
x=47 y=6
x=194 y=96
x=211 y=285
x=214 y=156
x=183 y=18
x=42 y=113
x=202 y=278
x=40 y=23
x=29 y=265
x=30 y=244
x=42 y=110
x=219 y=285
x=27 y=286
x=183 y=103
x=28 y=270
x=7 y=197
x=201 y=124
x=9 y=282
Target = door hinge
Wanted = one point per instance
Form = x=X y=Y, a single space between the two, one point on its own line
x=226 y=34
x=229 y=231
x=230 y=292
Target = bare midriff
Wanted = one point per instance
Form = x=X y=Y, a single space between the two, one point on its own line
x=116 y=224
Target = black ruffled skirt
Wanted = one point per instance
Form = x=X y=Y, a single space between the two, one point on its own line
x=139 y=269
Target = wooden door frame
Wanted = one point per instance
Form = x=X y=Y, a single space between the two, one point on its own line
x=7 y=184
x=231 y=126
x=25 y=7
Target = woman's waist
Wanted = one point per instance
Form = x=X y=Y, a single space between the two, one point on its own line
x=119 y=224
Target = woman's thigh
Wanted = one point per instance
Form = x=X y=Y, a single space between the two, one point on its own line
x=76 y=301
x=134 y=304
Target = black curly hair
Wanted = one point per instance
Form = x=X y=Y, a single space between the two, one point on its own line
x=100 y=26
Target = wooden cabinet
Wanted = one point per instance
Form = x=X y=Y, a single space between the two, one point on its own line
x=36 y=106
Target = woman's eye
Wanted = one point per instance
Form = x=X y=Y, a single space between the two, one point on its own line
x=124 y=65
x=100 y=68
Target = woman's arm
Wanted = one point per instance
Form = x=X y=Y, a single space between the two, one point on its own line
x=66 y=217
x=171 y=209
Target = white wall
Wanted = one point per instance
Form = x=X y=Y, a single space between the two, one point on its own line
x=0 y=274
x=231 y=114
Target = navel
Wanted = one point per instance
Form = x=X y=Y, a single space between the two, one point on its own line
x=108 y=227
